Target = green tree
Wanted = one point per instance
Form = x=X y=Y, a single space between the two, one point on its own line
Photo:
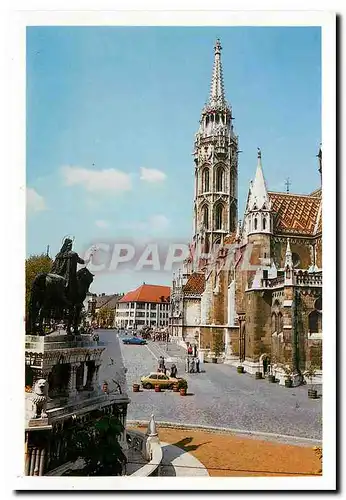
x=105 y=316
x=35 y=265
x=218 y=344
x=98 y=445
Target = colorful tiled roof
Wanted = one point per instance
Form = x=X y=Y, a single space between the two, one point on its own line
x=195 y=284
x=295 y=213
x=148 y=293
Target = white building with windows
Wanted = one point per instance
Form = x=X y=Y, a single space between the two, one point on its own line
x=148 y=305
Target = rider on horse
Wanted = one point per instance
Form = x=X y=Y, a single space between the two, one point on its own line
x=65 y=265
x=61 y=291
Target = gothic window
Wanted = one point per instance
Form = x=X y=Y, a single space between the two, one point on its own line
x=273 y=322
x=295 y=259
x=315 y=317
x=318 y=304
x=218 y=217
x=280 y=323
x=205 y=180
x=220 y=177
x=206 y=217
x=315 y=322
x=264 y=223
x=206 y=244
x=217 y=240
x=255 y=224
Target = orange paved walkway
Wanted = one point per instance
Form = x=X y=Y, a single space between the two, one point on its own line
x=231 y=455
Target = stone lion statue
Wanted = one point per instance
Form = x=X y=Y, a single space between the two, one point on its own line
x=39 y=399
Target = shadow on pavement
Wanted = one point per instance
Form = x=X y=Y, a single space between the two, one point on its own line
x=186 y=447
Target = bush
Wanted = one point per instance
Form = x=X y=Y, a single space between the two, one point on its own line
x=98 y=445
x=310 y=373
x=218 y=344
x=182 y=384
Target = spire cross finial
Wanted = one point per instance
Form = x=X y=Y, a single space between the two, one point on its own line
x=287 y=184
x=217 y=47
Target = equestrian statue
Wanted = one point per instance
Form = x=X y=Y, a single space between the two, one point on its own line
x=59 y=294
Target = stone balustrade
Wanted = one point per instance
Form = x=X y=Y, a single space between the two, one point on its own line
x=308 y=279
x=300 y=279
x=273 y=282
x=40 y=344
x=150 y=450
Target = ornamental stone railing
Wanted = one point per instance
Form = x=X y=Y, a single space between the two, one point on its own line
x=308 y=279
x=142 y=450
x=149 y=448
x=273 y=282
x=40 y=344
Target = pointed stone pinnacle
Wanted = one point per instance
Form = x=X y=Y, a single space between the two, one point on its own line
x=152 y=426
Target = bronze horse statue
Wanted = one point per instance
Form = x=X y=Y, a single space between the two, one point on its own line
x=50 y=299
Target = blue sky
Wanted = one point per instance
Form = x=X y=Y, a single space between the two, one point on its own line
x=111 y=118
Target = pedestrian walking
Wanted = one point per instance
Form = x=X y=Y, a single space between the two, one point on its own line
x=197 y=365
x=189 y=350
x=192 y=366
x=187 y=365
x=195 y=351
x=174 y=371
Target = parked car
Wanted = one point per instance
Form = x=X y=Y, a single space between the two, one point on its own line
x=134 y=340
x=157 y=378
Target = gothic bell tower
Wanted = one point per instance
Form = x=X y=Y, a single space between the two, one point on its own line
x=216 y=166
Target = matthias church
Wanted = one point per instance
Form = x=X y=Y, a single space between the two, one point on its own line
x=253 y=286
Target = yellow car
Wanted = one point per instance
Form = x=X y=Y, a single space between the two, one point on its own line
x=157 y=378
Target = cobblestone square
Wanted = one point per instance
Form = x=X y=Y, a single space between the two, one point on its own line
x=218 y=397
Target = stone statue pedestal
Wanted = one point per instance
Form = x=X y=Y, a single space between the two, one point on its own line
x=70 y=365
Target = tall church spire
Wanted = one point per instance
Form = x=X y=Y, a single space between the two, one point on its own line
x=258 y=212
x=216 y=165
x=217 y=92
x=259 y=194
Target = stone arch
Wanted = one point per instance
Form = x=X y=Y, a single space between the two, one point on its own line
x=205 y=215
x=220 y=178
x=219 y=213
x=264 y=362
x=315 y=322
x=264 y=223
x=29 y=376
x=318 y=304
x=205 y=180
x=217 y=239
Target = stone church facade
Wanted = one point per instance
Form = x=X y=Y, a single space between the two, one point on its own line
x=257 y=283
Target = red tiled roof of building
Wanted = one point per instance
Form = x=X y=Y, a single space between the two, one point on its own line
x=195 y=284
x=148 y=293
x=295 y=213
x=317 y=192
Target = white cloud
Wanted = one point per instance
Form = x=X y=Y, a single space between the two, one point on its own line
x=152 y=175
x=158 y=222
x=97 y=180
x=34 y=201
x=154 y=224
x=101 y=223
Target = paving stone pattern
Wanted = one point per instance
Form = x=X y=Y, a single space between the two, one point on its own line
x=218 y=397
